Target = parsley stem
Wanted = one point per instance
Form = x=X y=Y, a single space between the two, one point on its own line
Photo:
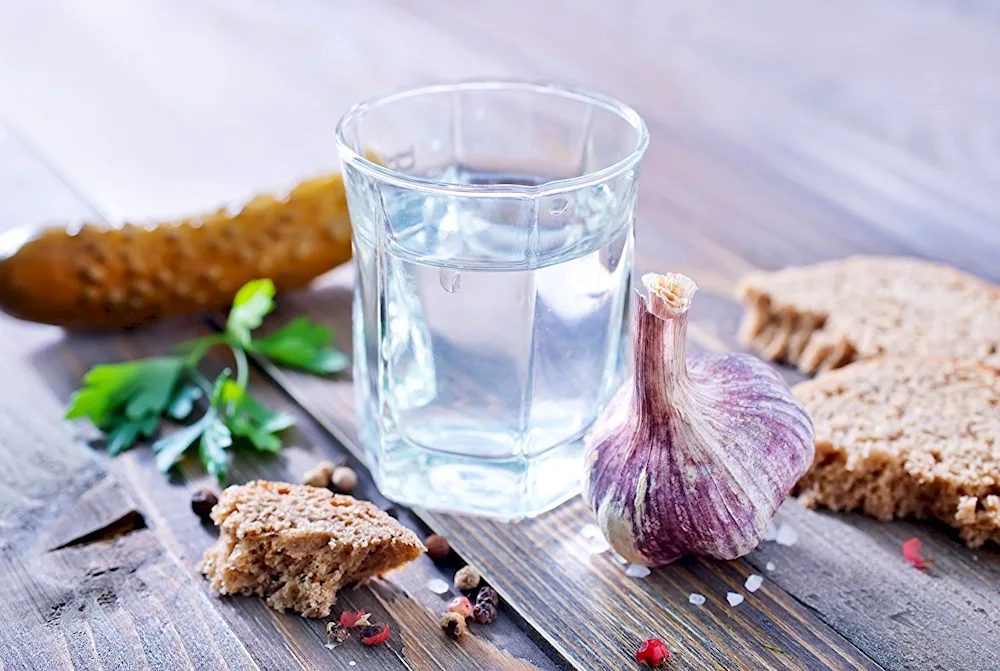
x=203 y=382
x=242 y=367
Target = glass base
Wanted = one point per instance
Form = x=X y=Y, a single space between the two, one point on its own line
x=508 y=489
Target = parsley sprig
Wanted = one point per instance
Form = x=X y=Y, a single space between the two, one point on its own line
x=127 y=401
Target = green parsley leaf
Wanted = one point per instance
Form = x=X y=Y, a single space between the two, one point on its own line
x=212 y=449
x=252 y=302
x=247 y=418
x=302 y=344
x=169 y=449
x=126 y=400
x=183 y=401
x=122 y=436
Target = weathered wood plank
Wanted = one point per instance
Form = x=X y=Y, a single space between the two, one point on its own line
x=111 y=599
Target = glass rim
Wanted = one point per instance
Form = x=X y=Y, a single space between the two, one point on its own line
x=349 y=156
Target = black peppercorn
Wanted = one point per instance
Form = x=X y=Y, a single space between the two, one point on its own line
x=488 y=595
x=202 y=502
x=484 y=612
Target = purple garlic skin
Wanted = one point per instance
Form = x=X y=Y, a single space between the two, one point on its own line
x=695 y=453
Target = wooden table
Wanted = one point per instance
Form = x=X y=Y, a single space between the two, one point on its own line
x=783 y=131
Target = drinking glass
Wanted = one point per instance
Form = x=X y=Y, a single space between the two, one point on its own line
x=493 y=240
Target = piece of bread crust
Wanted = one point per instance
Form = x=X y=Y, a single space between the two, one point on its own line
x=908 y=438
x=298 y=545
x=827 y=315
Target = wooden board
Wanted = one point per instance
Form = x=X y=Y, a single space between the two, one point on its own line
x=784 y=131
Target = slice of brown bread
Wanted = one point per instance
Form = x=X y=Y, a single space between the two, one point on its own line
x=908 y=438
x=298 y=545
x=827 y=315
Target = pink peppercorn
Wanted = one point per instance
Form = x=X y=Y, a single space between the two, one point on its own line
x=653 y=652
x=460 y=605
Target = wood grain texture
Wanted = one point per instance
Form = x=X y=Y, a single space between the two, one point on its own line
x=79 y=590
x=784 y=131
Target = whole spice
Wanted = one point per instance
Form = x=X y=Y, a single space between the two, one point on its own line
x=202 y=502
x=437 y=546
x=488 y=595
x=344 y=479
x=653 y=653
x=318 y=475
x=484 y=612
x=467 y=579
x=351 y=619
x=460 y=605
x=695 y=454
x=375 y=634
x=337 y=633
x=911 y=552
x=453 y=625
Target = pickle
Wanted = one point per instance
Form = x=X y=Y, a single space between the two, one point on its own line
x=99 y=277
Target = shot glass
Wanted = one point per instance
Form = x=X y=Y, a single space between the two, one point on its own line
x=493 y=241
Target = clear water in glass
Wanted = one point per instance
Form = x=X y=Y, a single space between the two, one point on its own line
x=492 y=290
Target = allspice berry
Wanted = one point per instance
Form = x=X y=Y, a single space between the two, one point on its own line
x=202 y=502
x=453 y=625
x=319 y=475
x=467 y=579
x=438 y=547
x=344 y=479
x=484 y=612
x=488 y=594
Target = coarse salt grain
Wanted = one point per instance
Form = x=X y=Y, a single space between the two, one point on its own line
x=637 y=571
x=770 y=566
x=771 y=533
x=437 y=586
x=787 y=535
x=618 y=558
x=596 y=546
x=734 y=599
x=590 y=531
x=753 y=582
x=696 y=599
x=352 y=663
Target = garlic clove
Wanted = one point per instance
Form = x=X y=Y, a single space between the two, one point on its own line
x=695 y=454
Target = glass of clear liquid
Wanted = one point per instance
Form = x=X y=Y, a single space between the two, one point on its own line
x=493 y=242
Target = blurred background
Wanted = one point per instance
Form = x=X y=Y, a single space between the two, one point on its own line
x=808 y=125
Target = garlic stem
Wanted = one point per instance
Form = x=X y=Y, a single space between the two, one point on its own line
x=660 y=348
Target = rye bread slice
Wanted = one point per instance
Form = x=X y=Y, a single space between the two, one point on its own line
x=908 y=438
x=827 y=315
x=298 y=545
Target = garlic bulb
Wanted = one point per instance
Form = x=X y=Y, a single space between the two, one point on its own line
x=695 y=453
